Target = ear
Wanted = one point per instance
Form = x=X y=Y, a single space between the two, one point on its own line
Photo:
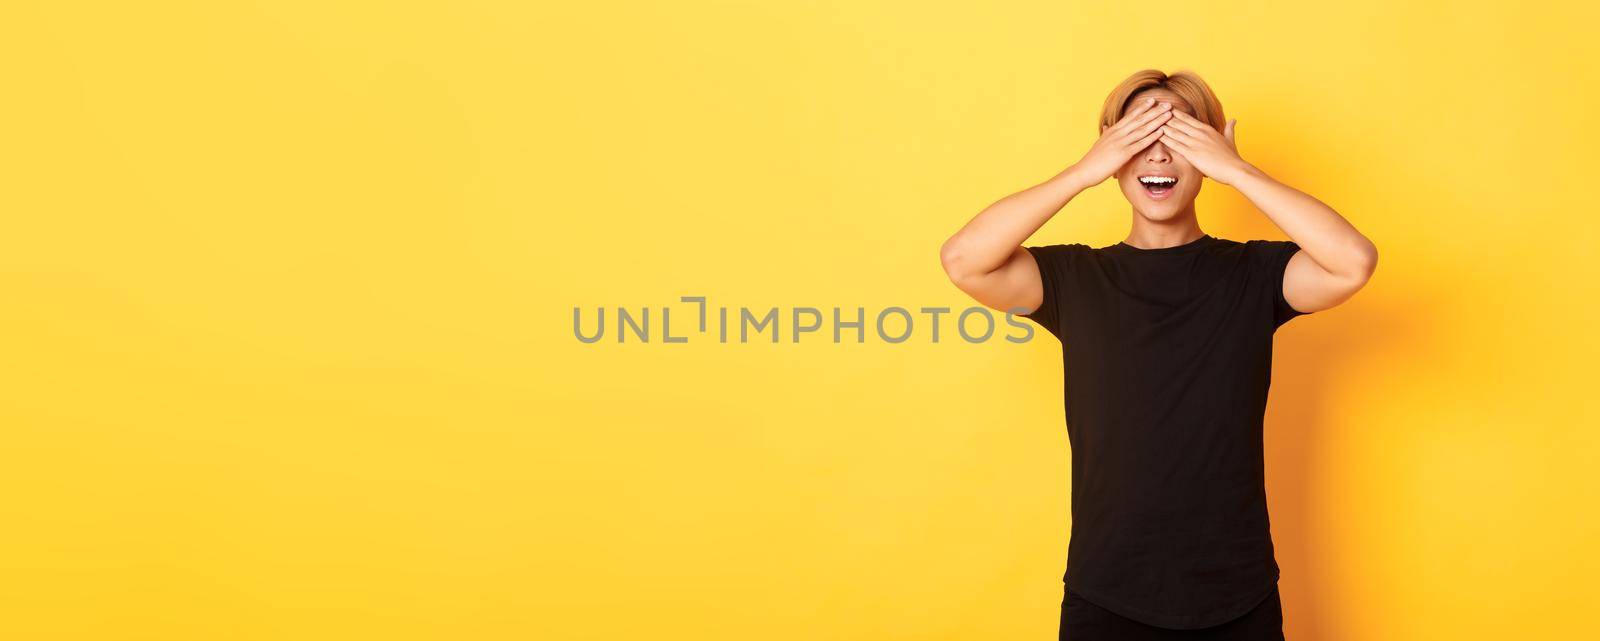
x=1227 y=131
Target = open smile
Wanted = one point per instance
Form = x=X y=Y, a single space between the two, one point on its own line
x=1159 y=187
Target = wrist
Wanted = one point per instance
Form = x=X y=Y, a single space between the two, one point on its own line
x=1243 y=171
x=1075 y=178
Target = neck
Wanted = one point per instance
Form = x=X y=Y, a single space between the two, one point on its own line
x=1154 y=234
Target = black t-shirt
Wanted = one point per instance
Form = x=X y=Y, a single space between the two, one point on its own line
x=1168 y=357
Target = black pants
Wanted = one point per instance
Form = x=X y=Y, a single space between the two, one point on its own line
x=1085 y=621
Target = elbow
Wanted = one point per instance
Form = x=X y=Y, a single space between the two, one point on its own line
x=1366 y=261
x=950 y=259
x=958 y=265
x=1359 y=265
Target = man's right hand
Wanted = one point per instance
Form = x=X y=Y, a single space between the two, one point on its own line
x=986 y=259
x=1137 y=130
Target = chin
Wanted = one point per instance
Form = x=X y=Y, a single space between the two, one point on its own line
x=1163 y=209
x=1160 y=216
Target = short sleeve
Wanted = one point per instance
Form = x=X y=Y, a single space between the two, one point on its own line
x=1056 y=263
x=1277 y=255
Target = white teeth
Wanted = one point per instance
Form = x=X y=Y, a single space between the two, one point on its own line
x=1157 y=180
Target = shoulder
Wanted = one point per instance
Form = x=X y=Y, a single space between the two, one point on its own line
x=1263 y=245
x=1270 y=252
x=1059 y=249
x=1058 y=254
x=1257 y=255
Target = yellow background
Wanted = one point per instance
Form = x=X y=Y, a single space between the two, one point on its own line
x=289 y=289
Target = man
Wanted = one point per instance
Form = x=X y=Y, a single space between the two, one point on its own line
x=1167 y=349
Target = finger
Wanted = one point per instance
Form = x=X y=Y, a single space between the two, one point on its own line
x=1179 y=134
x=1187 y=117
x=1151 y=124
x=1227 y=132
x=1185 y=127
x=1134 y=120
x=1149 y=139
x=1175 y=147
x=1192 y=121
x=1142 y=107
x=1139 y=107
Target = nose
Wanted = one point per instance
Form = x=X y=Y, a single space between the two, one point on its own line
x=1158 y=152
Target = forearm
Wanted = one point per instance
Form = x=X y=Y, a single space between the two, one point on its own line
x=1330 y=240
x=989 y=239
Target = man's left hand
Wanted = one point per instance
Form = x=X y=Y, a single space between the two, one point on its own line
x=1214 y=154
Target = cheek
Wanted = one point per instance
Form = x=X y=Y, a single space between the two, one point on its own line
x=1187 y=171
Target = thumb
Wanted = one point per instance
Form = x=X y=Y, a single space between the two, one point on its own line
x=1227 y=130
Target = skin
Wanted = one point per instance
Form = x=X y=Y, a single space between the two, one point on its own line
x=1158 y=134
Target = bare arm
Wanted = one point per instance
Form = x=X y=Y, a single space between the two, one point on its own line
x=985 y=258
x=1335 y=260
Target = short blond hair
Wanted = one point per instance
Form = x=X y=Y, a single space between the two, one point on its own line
x=1187 y=84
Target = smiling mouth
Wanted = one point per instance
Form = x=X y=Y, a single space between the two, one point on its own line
x=1159 y=187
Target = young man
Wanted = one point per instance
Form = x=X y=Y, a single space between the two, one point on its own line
x=1167 y=349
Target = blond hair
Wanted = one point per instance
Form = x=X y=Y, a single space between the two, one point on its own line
x=1187 y=84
